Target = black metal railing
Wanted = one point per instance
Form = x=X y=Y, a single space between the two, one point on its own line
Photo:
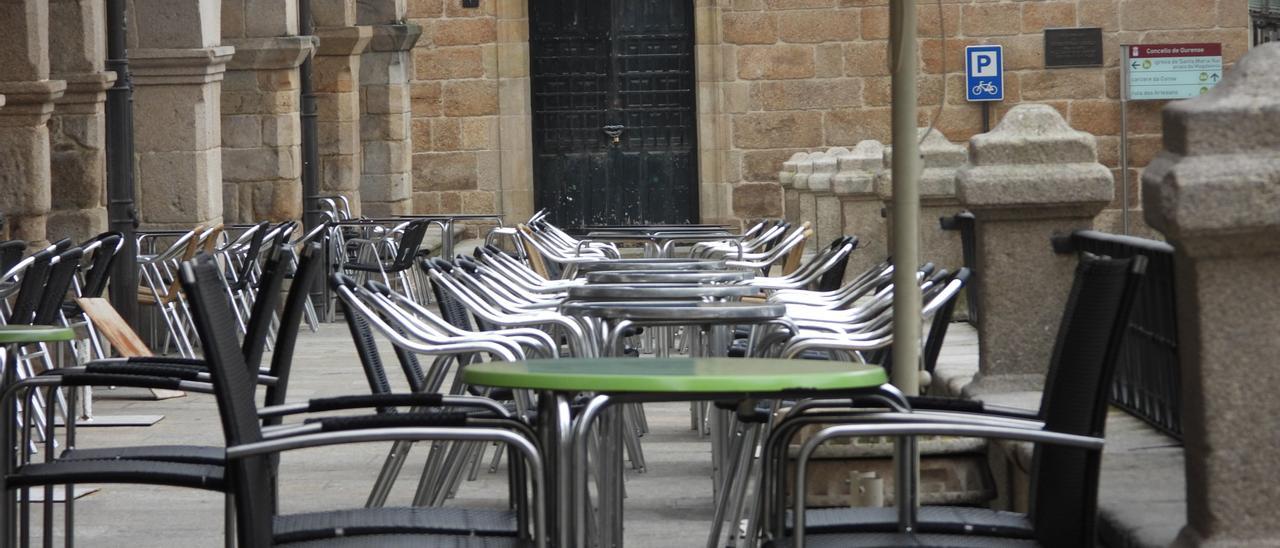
x=1148 y=381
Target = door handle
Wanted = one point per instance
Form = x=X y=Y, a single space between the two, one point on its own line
x=614 y=132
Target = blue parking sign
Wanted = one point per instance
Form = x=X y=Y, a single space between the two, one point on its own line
x=984 y=73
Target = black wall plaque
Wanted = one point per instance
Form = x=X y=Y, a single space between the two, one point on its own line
x=1073 y=47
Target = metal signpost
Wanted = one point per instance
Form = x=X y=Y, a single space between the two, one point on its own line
x=984 y=78
x=1153 y=72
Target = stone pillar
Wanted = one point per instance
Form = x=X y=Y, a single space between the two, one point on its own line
x=854 y=186
x=77 y=130
x=261 y=129
x=941 y=160
x=791 y=195
x=1030 y=178
x=24 y=129
x=178 y=65
x=386 y=184
x=826 y=206
x=1212 y=192
x=337 y=75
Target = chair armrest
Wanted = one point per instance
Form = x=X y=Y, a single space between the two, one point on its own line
x=957 y=405
x=369 y=401
x=79 y=377
x=187 y=372
x=434 y=418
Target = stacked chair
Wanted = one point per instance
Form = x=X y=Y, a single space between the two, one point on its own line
x=217 y=293
x=247 y=470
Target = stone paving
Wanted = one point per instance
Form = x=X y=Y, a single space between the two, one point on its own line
x=668 y=506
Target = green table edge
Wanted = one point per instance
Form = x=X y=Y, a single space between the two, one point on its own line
x=31 y=334
x=798 y=376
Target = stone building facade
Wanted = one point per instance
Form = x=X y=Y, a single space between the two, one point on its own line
x=776 y=77
x=424 y=105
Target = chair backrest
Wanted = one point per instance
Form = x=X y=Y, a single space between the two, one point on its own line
x=408 y=360
x=251 y=254
x=189 y=244
x=536 y=261
x=834 y=276
x=409 y=243
x=99 y=271
x=1065 y=480
x=10 y=253
x=55 y=289
x=34 y=278
x=942 y=322
x=249 y=478
x=264 y=308
x=362 y=336
x=792 y=259
x=310 y=265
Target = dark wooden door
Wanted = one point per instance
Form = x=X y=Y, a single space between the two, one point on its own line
x=606 y=68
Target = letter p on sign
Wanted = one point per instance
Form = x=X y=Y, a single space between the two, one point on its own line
x=983 y=63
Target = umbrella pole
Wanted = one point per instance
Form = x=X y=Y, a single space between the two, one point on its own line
x=906 y=240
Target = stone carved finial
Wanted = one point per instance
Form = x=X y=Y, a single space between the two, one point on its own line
x=789 y=168
x=1030 y=179
x=1220 y=172
x=1034 y=161
x=824 y=169
x=804 y=168
x=941 y=159
x=858 y=168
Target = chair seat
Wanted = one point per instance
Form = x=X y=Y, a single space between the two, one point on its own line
x=946 y=520
x=196 y=476
x=411 y=541
x=902 y=540
x=395 y=521
x=185 y=454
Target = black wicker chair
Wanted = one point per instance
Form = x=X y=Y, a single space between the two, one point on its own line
x=248 y=472
x=1065 y=468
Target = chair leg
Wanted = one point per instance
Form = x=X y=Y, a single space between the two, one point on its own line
x=229 y=521
x=387 y=476
x=743 y=484
x=725 y=488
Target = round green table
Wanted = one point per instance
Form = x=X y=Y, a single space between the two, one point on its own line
x=615 y=380
x=32 y=334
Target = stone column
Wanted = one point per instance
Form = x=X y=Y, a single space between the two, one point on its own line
x=1030 y=178
x=24 y=130
x=177 y=67
x=261 y=130
x=827 y=221
x=1213 y=193
x=941 y=160
x=854 y=186
x=77 y=130
x=337 y=75
x=791 y=195
x=386 y=184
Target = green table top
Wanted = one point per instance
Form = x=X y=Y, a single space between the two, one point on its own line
x=30 y=334
x=676 y=375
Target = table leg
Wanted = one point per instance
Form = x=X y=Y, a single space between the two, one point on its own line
x=580 y=494
x=555 y=428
